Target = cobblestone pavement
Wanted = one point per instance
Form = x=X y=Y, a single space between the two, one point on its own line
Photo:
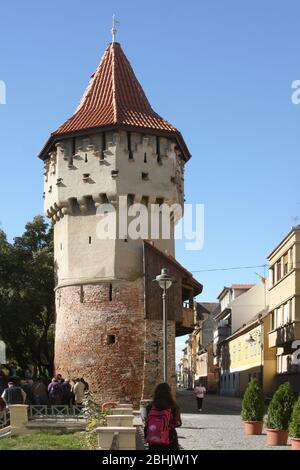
x=217 y=427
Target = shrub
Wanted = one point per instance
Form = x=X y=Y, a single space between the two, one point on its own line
x=94 y=418
x=294 y=427
x=253 y=407
x=281 y=407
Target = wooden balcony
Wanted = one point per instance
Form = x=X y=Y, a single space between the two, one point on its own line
x=284 y=334
x=187 y=323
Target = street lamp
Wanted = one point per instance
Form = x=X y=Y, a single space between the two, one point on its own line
x=164 y=281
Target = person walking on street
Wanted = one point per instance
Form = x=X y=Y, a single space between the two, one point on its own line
x=163 y=416
x=200 y=392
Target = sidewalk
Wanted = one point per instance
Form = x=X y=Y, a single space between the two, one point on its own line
x=218 y=427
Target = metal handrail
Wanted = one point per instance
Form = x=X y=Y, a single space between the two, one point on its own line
x=55 y=412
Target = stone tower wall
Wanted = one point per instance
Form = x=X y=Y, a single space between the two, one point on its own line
x=87 y=324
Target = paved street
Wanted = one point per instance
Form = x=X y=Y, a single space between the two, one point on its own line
x=217 y=427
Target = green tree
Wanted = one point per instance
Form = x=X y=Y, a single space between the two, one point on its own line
x=253 y=407
x=280 y=407
x=27 y=296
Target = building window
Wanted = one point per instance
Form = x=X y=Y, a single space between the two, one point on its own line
x=291 y=259
x=110 y=292
x=129 y=147
x=291 y=316
x=285 y=313
x=158 y=149
x=278 y=265
x=273 y=322
x=285 y=264
x=111 y=339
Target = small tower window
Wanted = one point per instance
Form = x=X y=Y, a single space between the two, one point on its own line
x=103 y=145
x=145 y=201
x=158 y=150
x=129 y=147
x=86 y=158
x=114 y=173
x=145 y=157
x=111 y=339
x=145 y=176
x=159 y=200
x=130 y=199
x=110 y=293
x=90 y=240
x=81 y=294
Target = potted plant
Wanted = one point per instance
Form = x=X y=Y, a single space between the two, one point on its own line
x=253 y=408
x=279 y=415
x=294 y=427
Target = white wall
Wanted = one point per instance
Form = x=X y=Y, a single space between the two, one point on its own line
x=249 y=304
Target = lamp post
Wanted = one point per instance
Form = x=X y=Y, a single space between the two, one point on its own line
x=164 y=281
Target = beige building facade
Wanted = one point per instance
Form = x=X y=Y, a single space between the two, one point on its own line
x=284 y=292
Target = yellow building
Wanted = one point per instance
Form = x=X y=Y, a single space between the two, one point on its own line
x=284 y=292
x=242 y=358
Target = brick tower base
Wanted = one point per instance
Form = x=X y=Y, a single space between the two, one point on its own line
x=102 y=335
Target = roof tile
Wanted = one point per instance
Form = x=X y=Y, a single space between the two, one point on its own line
x=114 y=97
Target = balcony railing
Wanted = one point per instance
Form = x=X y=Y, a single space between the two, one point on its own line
x=284 y=334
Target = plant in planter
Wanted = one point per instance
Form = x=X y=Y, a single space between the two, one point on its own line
x=279 y=415
x=253 y=408
x=294 y=427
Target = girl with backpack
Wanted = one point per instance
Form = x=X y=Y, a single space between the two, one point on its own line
x=163 y=416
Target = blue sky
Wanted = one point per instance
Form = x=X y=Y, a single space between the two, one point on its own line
x=220 y=71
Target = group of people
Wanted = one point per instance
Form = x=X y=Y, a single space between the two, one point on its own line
x=162 y=414
x=27 y=390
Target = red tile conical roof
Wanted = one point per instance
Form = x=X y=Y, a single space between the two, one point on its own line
x=115 y=99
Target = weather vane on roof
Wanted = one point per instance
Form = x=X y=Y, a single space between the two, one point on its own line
x=115 y=23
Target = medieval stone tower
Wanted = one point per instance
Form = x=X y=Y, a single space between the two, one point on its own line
x=108 y=310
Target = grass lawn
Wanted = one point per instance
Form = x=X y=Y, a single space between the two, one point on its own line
x=45 y=440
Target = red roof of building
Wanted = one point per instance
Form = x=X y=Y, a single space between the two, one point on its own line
x=115 y=99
